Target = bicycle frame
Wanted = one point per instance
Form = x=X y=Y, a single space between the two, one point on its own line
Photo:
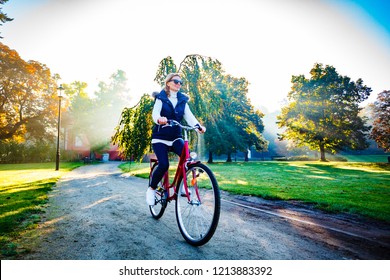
x=181 y=170
x=197 y=220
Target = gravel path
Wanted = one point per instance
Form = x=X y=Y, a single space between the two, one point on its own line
x=96 y=212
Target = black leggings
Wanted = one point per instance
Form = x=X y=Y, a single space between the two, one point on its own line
x=161 y=150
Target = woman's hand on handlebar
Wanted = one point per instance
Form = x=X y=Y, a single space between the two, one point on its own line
x=162 y=120
x=201 y=129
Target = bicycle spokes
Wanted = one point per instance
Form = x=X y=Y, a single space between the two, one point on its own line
x=196 y=193
x=157 y=210
x=198 y=214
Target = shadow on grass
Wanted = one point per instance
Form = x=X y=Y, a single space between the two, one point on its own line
x=19 y=210
x=365 y=167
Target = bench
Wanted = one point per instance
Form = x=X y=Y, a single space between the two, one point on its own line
x=87 y=160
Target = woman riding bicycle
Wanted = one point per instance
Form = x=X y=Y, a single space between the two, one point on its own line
x=170 y=104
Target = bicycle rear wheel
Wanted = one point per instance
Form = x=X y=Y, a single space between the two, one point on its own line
x=198 y=217
x=157 y=210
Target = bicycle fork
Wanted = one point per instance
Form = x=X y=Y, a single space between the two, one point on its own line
x=194 y=185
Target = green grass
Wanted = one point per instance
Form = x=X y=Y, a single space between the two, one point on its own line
x=23 y=194
x=349 y=187
x=367 y=158
x=137 y=169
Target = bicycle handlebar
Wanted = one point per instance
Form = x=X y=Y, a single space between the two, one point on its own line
x=173 y=122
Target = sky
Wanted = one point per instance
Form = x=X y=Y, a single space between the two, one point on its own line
x=262 y=40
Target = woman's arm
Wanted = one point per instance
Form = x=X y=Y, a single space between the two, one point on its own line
x=189 y=116
x=191 y=120
x=157 y=110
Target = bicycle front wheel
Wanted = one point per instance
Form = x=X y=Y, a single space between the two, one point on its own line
x=198 y=213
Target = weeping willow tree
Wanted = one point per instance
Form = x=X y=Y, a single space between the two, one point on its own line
x=134 y=132
x=219 y=101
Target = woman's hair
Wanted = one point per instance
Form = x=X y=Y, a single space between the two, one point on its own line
x=168 y=78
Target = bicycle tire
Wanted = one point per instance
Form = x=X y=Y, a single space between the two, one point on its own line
x=157 y=210
x=198 y=220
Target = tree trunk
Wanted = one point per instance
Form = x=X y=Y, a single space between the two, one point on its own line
x=210 y=157
x=322 y=149
x=246 y=156
x=229 y=157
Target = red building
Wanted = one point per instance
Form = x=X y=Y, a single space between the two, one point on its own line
x=77 y=145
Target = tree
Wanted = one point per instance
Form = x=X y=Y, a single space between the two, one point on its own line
x=3 y=17
x=134 y=132
x=28 y=98
x=242 y=124
x=323 y=111
x=218 y=100
x=77 y=118
x=97 y=116
x=381 y=125
x=111 y=99
x=165 y=67
x=202 y=75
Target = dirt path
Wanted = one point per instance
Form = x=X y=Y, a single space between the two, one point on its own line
x=96 y=212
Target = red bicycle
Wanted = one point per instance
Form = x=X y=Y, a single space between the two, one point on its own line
x=196 y=192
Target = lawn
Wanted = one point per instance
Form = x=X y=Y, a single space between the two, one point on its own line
x=349 y=187
x=23 y=194
x=367 y=158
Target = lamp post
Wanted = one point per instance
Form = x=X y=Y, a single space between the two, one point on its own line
x=60 y=88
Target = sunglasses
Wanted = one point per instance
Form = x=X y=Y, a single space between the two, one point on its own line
x=177 y=82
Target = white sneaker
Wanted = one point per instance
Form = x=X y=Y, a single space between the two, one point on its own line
x=150 y=193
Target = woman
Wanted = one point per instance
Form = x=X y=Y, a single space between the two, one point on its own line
x=170 y=104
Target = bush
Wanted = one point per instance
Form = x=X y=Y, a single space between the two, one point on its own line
x=336 y=158
x=13 y=152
